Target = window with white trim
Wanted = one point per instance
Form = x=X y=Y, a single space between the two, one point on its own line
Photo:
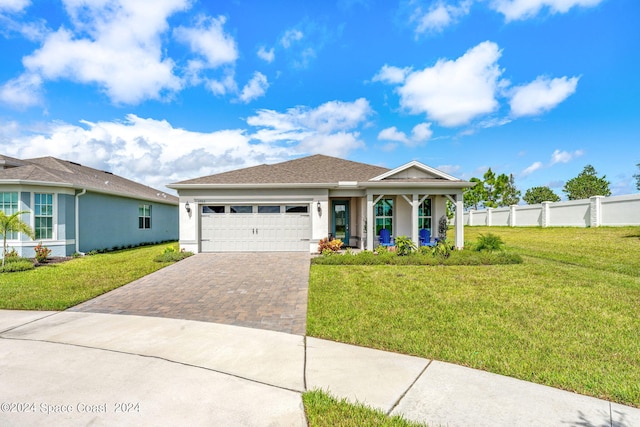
x=9 y=205
x=384 y=215
x=424 y=215
x=43 y=215
x=144 y=216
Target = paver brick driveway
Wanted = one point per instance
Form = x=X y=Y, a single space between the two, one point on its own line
x=258 y=290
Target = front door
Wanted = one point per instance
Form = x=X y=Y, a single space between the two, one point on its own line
x=341 y=220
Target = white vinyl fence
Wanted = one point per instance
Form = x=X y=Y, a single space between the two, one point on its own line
x=592 y=212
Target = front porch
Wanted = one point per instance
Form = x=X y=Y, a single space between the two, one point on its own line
x=353 y=219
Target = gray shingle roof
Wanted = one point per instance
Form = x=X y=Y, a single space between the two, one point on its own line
x=57 y=171
x=306 y=170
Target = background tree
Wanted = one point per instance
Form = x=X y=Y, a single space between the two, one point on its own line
x=474 y=196
x=536 y=195
x=11 y=224
x=511 y=194
x=491 y=192
x=637 y=177
x=587 y=184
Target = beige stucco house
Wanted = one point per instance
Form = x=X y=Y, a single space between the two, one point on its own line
x=291 y=206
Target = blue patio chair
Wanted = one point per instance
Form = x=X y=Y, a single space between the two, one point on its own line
x=385 y=238
x=425 y=237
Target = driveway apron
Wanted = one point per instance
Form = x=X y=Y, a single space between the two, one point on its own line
x=265 y=290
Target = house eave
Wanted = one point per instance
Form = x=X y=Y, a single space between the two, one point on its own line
x=350 y=185
x=249 y=186
x=92 y=189
x=413 y=184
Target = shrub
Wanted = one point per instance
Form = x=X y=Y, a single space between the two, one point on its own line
x=442 y=249
x=172 y=256
x=390 y=258
x=42 y=253
x=332 y=245
x=404 y=245
x=11 y=255
x=19 y=264
x=443 y=227
x=169 y=249
x=489 y=242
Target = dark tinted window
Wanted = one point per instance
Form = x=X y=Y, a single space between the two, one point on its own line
x=241 y=209
x=297 y=209
x=213 y=209
x=270 y=209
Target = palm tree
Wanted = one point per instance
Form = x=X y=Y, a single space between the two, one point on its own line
x=10 y=224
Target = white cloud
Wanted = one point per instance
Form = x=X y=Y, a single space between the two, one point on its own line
x=454 y=92
x=330 y=128
x=541 y=95
x=391 y=75
x=256 y=88
x=266 y=55
x=531 y=169
x=225 y=84
x=564 y=156
x=393 y=134
x=147 y=150
x=420 y=133
x=440 y=15
x=291 y=36
x=336 y=144
x=14 y=6
x=523 y=9
x=208 y=39
x=556 y=157
x=23 y=91
x=115 y=45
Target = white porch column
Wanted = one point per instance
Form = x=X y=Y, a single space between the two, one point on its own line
x=415 y=234
x=371 y=235
x=459 y=221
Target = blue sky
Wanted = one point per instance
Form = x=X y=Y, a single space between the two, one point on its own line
x=165 y=90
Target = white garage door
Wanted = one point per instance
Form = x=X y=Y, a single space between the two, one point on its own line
x=252 y=228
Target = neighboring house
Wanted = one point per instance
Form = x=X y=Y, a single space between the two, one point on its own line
x=290 y=206
x=74 y=208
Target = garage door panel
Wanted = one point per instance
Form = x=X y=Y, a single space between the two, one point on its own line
x=255 y=232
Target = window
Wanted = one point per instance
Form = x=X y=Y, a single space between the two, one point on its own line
x=144 y=216
x=271 y=209
x=297 y=209
x=9 y=205
x=43 y=211
x=384 y=215
x=424 y=215
x=241 y=209
x=208 y=209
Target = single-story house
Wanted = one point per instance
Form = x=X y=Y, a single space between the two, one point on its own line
x=74 y=208
x=291 y=206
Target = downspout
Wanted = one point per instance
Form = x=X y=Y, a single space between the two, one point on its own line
x=84 y=190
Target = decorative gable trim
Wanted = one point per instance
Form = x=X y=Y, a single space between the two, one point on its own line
x=415 y=164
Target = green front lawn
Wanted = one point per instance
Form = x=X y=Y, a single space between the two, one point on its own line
x=324 y=410
x=567 y=317
x=60 y=286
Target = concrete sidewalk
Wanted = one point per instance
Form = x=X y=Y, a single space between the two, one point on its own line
x=66 y=368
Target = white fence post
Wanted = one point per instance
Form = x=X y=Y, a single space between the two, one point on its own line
x=489 y=217
x=471 y=216
x=512 y=215
x=596 y=209
x=546 y=218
